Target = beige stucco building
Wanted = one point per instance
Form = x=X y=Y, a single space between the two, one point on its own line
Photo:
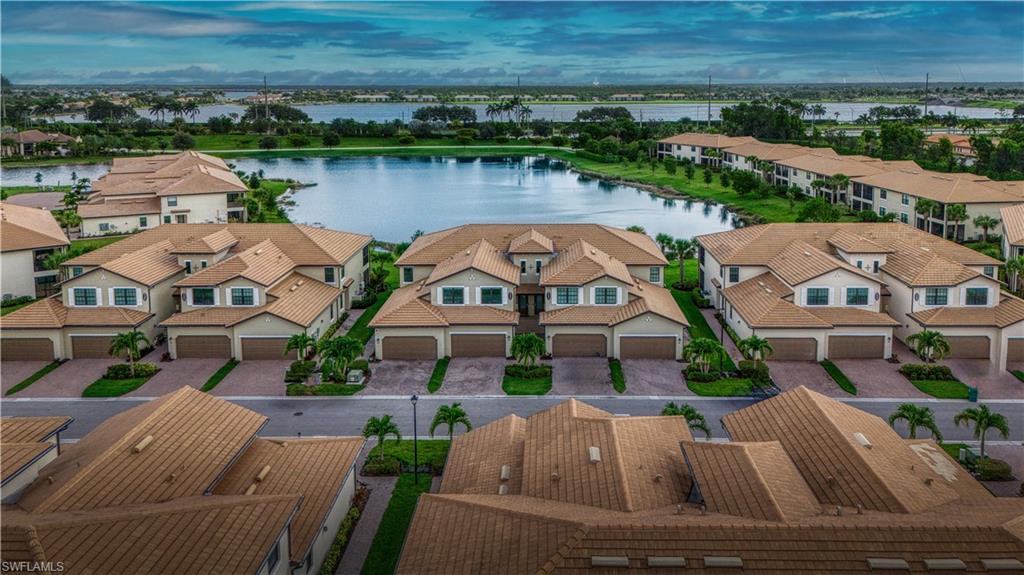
x=27 y=237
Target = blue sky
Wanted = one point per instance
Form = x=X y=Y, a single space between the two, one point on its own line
x=421 y=43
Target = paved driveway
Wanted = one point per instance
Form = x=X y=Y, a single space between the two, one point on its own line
x=990 y=381
x=68 y=380
x=14 y=372
x=878 y=378
x=792 y=374
x=474 y=376
x=399 y=377
x=254 y=377
x=581 y=376
x=654 y=377
x=176 y=374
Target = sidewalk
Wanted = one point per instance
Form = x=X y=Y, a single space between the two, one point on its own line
x=734 y=352
x=362 y=537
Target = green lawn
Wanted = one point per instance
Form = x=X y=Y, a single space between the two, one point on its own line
x=89 y=244
x=839 y=377
x=953 y=449
x=113 y=387
x=698 y=325
x=9 y=191
x=437 y=378
x=219 y=375
x=526 y=386
x=431 y=451
x=361 y=329
x=33 y=378
x=942 y=389
x=618 y=378
x=387 y=543
x=12 y=308
x=732 y=387
x=300 y=389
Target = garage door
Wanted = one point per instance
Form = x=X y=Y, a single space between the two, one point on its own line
x=1015 y=349
x=856 y=346
x=266 y=348
x=202 y=346
x=647 y=347
x=478 y=345
x=968 y=346
x=409 y=347
x=26 y=349
x=86 y=347
x=579 y=345
x=794 y=348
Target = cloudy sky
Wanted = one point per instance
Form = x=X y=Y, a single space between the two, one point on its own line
x=420 y=43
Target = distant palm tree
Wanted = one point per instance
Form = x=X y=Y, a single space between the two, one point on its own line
x=927 y=208
x=983 y=419
x=157 y=108
x=755 y=348
x=70 y=200
x=381 y=427
x=956 y=213
x=702 y=351
x=694 y=419
x=191 y=109
x=684 y=250
x=837 y=183
x=985 y=223
x=68 y=219
x=127 y=342
x=818 y=110
x=302 y=343
x=664 y=241
x=450 y=415
x=930 y=345
x=916 y=417
x=493 y=111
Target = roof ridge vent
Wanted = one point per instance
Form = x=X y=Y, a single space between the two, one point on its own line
x=862 y=439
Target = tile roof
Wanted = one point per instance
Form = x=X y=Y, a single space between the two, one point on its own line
x=107 y=207
x=166 y=175
x=851 y=316
x=264 y=263
x=646 y=298
x=148 y=266
x=24 y=228
x=831 y=164
x=315 y=468
x=481 y=256
x=799 y=262
x=580 y=263
x=851 y=243
x=1009 y=311
x=707 y=140
x=762 y=302
x=920 y=266
x=774 y=152
x=1013 y=223
x=946 y=188
x=14 y=457
x=300 y=298
x=209 y=244
x=52 y=313
x=338 y=245
x=531 y=242
x=410 y=306
x=38 y=136
x=31 y=429
x=213 y=316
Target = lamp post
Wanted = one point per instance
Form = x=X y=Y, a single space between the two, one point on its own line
x=415 y=451
x=721 y=337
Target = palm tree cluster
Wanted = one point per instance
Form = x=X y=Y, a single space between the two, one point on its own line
x=161 y=106
x=929 y=345
x=982 y=418
x=702 y=351
x=513 y=108
x=527 y=348
x=682 y=248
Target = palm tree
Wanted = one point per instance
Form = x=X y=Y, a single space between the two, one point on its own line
x=985 y=223
x=303 y=343
x=702 y=351
x=836 y=183
x=817 y=186
x=664 y=241
x=157 y=108
x=927 y=208
x=191 y=109
x=68 y=219
x=929 y=345
x=818 y=110
x=337 y=353
x=381 y=427
x=127 y=342
x=450 y=415
x=755 y=348
x=956 y=213
x=493 y=111
x=1014 y=269
x=526 y=348
x=70 y=200
x=694 y=419
x=684 y=250
x=983 y=419
x=916 y=417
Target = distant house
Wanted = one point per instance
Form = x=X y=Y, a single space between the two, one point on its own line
x=371 y=97
x=627 y=97
x=471 y=98
x=420 y=98
x=962 y=147
x=34 y=142
x=27 y=237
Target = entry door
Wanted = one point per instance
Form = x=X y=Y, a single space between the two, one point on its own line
x=523 y=303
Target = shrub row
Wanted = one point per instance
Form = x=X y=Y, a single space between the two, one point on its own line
x=124 y=371
x=693 y=373
x=340 y=542
x=921 y=371
x=16 y=301
x=299 y=371
x=757 y=372
x=365 y=302
x=526 y=372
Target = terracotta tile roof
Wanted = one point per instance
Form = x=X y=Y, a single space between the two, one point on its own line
x=799 y=262
x=314 y=468
x=762 y=302
x=774 y=152
x=204 y=180
x=579 y=315
x=264 y=263
x=24 y=228
x=707 y=140
x=851 y=316
x=14 y=457
x=1013 y=223
x=480 y=256
x=920 y=266
x=1009 y=311
x=38 y=136
x=580 y=263
x=51 y=313
x=531 y=242
x=628 y=247
x=478 y=315
x=300 y=298
x=148 y=266
x=410 y=307
x=851 y=243
x=476 y=459
x=209 y=244
x=104 y=207
x=646 y=298
x=851 y=166
x=946 y=188
x=148 y=454
x=31 y=429
x=337 y=244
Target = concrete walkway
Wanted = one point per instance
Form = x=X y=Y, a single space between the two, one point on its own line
x=362 y=536
x=734 y=352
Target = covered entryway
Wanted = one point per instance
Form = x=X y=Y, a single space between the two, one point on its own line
x=478 y=345
x=794 y=348
x=266 y=348
x=203 y=346
x=579 y=345
x=856 y=346
x=26 y=349
x=1015 y=349
x=968 y=346
x=635 y=347
x=90 y=346
x=409 y=347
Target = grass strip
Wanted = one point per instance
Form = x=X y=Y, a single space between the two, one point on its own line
x=942 y=388
x=437 y=378
x=526 y=386
x=729 y=387
x=219 y=375
x=34 y=377
x=618 y=378
x=387 y=543
x=301 y=389
x=1018 y=374
x=113 y=387
x=698 y=325
x=361 y=329
x=839 y=377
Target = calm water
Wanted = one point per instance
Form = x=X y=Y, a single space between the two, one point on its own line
x=392 y=197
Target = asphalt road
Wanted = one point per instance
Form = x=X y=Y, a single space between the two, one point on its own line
x=347 y=415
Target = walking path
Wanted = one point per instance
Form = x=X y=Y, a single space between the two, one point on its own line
x=362 y=536
x=734 y=352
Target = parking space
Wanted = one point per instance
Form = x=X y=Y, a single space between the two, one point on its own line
x=176 y=374
x=580 y=376
x=991 y=382
x=654 y=377
x=792 y=374
x=878 y=378
x=68 y=380
x=14 y=372
x=399 y=377
x=473 y=376
x=258 y=377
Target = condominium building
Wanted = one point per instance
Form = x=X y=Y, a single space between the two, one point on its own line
x=27 y=237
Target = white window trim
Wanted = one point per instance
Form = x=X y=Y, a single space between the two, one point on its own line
x=480 y=298
x=192 y=299
x=843 y=295
x=227 y=294
x=335 y=282
x=831 y=295
x=71 y=296
x=440 y=295
x=579 y=296
x=138 y=296
x=412 y=273
x=593 y=295
x=924 y=297
x=963 y=296
x=171 y=199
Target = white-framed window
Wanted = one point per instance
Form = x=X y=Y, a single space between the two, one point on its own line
x=188 y=266
x=243 y=296
x=655 y=275
x=817 y=296
x=143 y=221
x=124 y=296
x=905 y=199
x=104 y=227
x=407 y=274
x=203 y=296
x=604 y=295
x=567 y=296
x=904 y=218
x=84 y=296
x=76 y=271
x=734 y=274
x=857 y=296
x=181 y=218
x=881 y=210
x=882 y=194
x=990 y=271
x=936 y=296
x=536 y=266
x=172 y=201
x=522 y=267
x=167 y=219
x=491 y=295
x=976 y=296
x=329 y=275
x=453 y=296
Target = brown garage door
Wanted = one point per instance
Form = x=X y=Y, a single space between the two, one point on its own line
x=266 y=348
x=26 y=349
x=409 y=347
x=86 y=347
x=793 y=348
x=856 y=346
x=968 y=346
x=1015 y=349
x=579 y=345
x=193 y=346
x=478 y=345
x=647 y=347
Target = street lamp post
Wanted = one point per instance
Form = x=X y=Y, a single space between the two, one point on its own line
x=415 y=451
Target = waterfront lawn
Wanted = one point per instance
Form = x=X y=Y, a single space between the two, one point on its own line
x=387 y=543
x=34 y=377
x=9 y=191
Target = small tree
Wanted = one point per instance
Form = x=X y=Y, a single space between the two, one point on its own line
x=985 y=223
x=1014 y=269
x=684 y=250
x=127 y=342
x=526 y=348
x=688 y=171
x=664 y=241
x=183 y=141
x=381 y=427
x=708 y=176
x=331 y=139
x=268 y=143
x=337 y=353
x=930 y=345
x=450 y=415
x=670 y=165
x=303 y=343
x=916 y=417
x=694 y=419
x=702 y=351
x=70 y=200
x=755 y=348
x=68 y=219
x=983 y=419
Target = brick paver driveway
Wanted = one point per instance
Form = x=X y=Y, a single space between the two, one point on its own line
x=14 y=372
x=654 y=377
x=474 y=376
x=985 y=375
x=878 y=378
x=254 y=377
x=792 y=374
x=176 y=374
x=68 y=380
x=399 y=377
x=581 y=376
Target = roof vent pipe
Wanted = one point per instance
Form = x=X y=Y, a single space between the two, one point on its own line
x=595 y=454
x=506 y=472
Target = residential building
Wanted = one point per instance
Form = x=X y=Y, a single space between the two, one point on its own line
x=818 y=291
x=34 y=142
x=741 y=156
x=183 y=484
x=695 y=147
x=806 y=484
x=27 y=237
x=419 y=98
x=803 y=170
x=27 y=444
x=961 y=143
x=589 y=290
x=1012 y=219
x=214 y=290
x=627 y=97
x=371 y=97
x=471 y=97
x=142 y=193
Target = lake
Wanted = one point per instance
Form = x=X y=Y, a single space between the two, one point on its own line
x=391 y=197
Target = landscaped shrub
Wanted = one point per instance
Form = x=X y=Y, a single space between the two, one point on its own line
x=756 y=371
x=341 y=540
x=559 y=141
x=526 y=372
x=920 y=371
x=17 y=301
x=693 y=373
x=618 y=378
x=407 y=139
x=699 y=300
x=124 y=371
x=361 y=364
x=299 y=371
x=991 y=469
x=374 y=466
x=365 y=302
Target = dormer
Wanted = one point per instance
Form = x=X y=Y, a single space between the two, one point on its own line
x=200 y=252
x=479 y=275
x=859 y=251
x=531 y=251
